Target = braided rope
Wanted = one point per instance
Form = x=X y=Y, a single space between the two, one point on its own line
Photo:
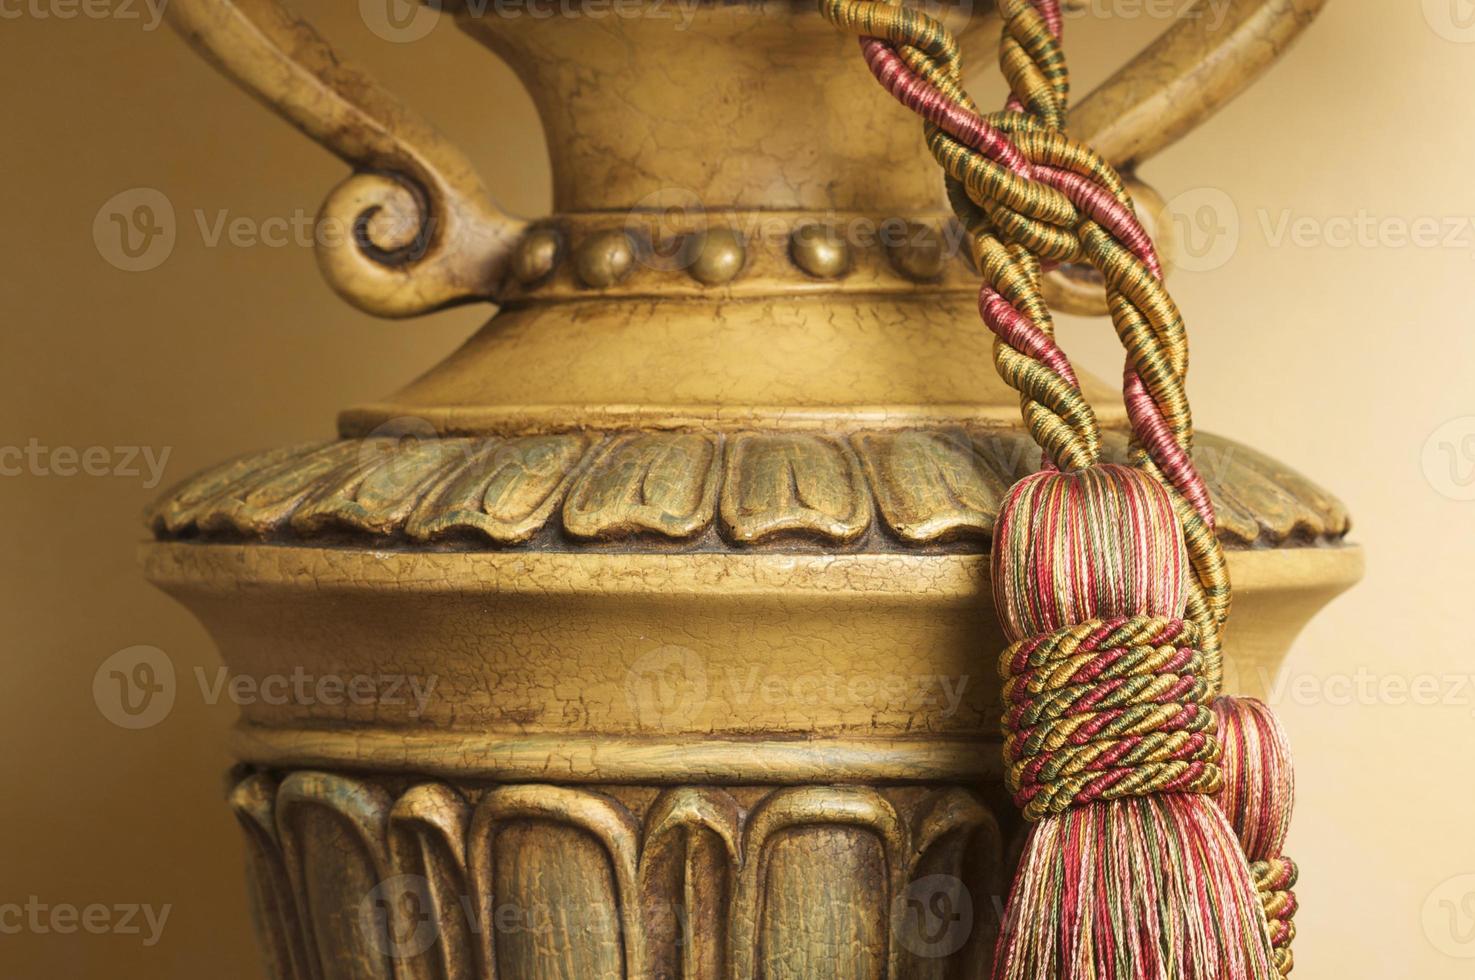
x=1027 y=193
x=1107 y=709
x=1105 y=695
x=1112 y=708
x=1257 y=795
x=1274 y=881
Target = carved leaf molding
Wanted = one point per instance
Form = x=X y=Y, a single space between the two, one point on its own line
x=873 y=491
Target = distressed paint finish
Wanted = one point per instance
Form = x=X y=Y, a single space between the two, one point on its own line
x=930 y=486
x=795 y=485
x=653 y=663
x=542 y=881
x=687 y=559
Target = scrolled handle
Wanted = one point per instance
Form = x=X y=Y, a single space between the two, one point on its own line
x=413 y=229
x=1211 y=54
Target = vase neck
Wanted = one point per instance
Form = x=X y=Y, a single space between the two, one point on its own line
x=742 y=106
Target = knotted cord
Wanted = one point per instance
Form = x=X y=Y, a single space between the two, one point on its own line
x=1031 y=196
x=1096 y=708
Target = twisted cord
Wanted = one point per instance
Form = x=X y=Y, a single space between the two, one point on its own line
x=1274 y=881
x=1056 y=200
x=916 y=59
x=1257 y=795
x=1107 y=709
x=1107 y=693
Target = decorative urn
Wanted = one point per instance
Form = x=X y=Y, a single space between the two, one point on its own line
x=672 y=581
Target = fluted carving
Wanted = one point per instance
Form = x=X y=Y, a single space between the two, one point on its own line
x=534 y=882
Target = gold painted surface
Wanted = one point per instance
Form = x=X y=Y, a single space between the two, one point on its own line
x=761 y=253
x=1209 y=55
x=505 y=489
x=413 y=228
x=563 y=862
x=273 y=905
x=843 y=158
x=427 y=831
x=583 y=647
x=690 y=856
x=814 y=893
x=702 y=883
x=686 y=547
x=333 y=843
x=930 y=486
x=644 y=758
x=796 y=485
x=269 y=494
x=813 y=360
x=377 y=491
x=664 y=483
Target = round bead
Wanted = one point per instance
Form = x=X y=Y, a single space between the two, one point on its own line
x=535 y=256
x=604 y=259
x=820 y=251
x=919 y=254
x=715 y=256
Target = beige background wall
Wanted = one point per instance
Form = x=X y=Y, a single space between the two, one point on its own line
x=1331 y=213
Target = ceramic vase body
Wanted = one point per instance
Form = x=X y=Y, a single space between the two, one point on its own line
x=672 y=581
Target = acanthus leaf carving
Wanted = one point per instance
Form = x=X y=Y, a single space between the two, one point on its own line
x=929 y=488
x=793 y=484
x=646 y=483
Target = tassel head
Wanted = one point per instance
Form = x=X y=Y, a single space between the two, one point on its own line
x=1257 y=796
x=1098 y=543
x=1129 y=872
x=1259 y=787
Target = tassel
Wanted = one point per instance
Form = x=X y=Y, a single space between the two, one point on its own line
x=1129 y=872
x=1257 y=797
